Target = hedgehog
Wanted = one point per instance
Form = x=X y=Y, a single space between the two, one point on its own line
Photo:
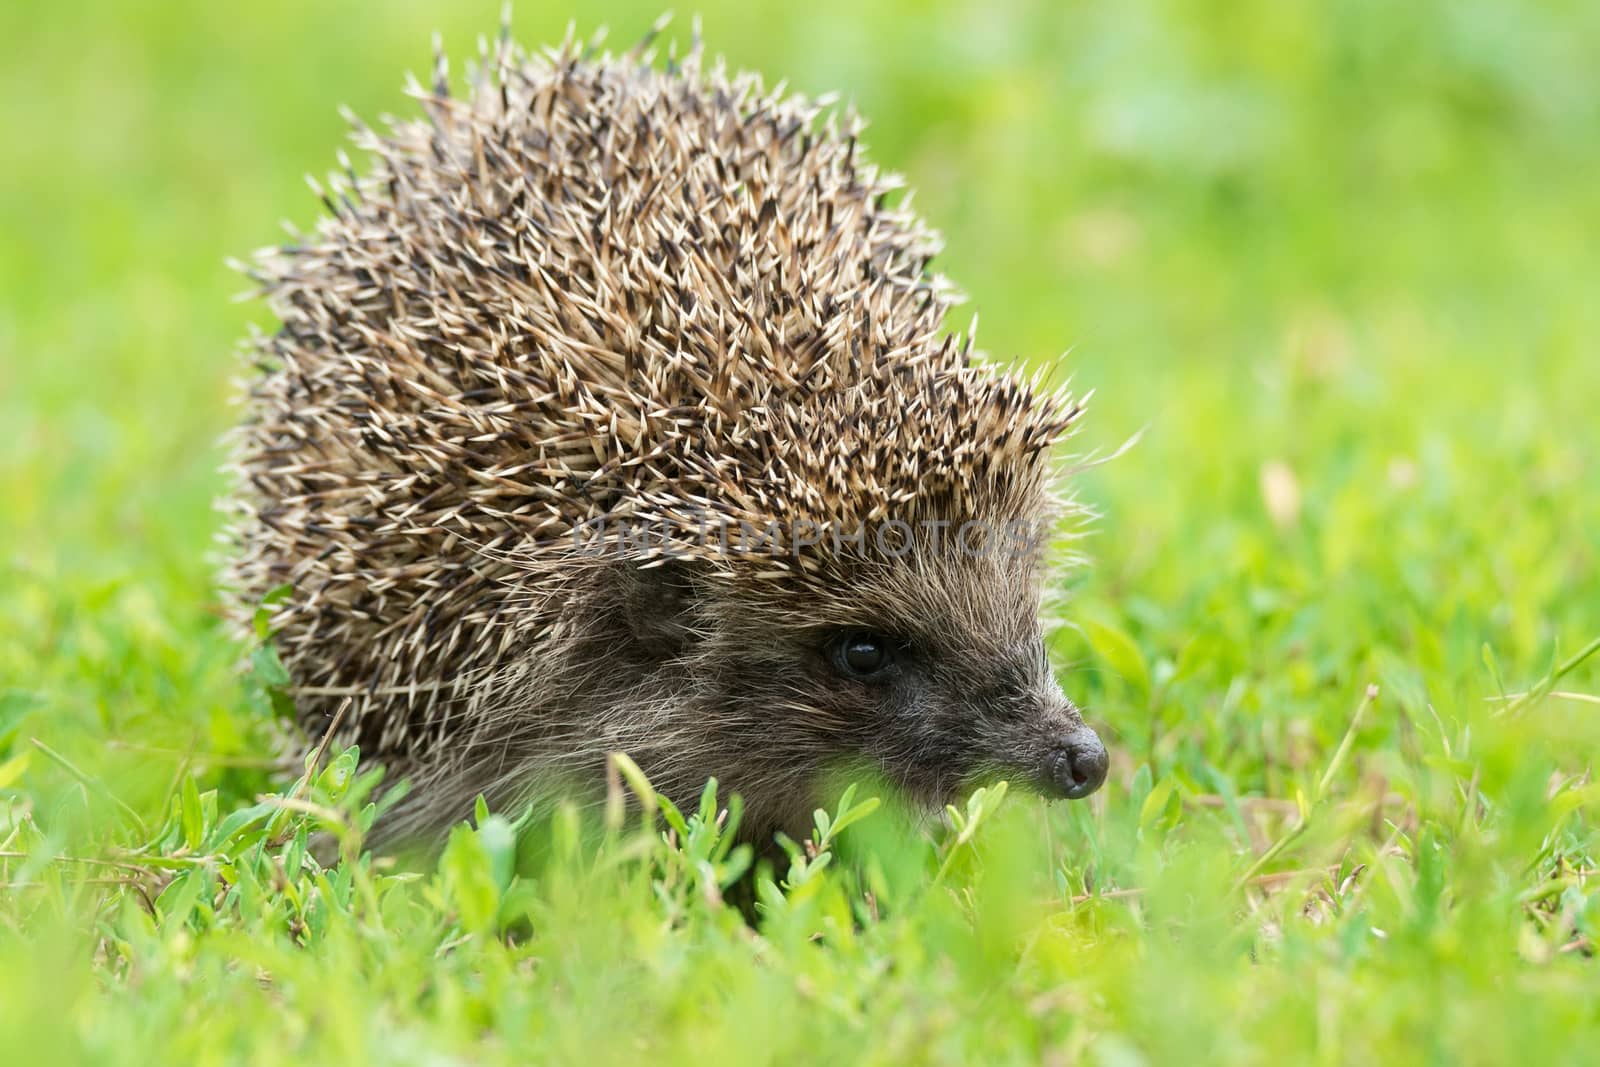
x=612 y=410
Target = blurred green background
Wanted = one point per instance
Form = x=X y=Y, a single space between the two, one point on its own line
x=1338 y=260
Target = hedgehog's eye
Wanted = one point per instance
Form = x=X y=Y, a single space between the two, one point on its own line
x=862 y=654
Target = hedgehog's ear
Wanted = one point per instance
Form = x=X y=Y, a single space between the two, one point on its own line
x=658 y=606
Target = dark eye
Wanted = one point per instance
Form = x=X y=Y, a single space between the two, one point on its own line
x=860 y=654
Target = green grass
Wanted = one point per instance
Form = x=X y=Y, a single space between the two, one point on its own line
x=1337 y=260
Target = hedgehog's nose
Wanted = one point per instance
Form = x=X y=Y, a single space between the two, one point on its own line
x=1076 y=766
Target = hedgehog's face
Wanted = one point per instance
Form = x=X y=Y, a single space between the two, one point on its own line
x=945 y=669
x=934 y=675
x=941 y=715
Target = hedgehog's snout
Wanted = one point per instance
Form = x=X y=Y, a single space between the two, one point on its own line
x=1075 y=765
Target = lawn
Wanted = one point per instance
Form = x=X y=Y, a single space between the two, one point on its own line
x=1336 y=261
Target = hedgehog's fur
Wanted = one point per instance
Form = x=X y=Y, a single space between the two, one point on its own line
x=594 y=289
